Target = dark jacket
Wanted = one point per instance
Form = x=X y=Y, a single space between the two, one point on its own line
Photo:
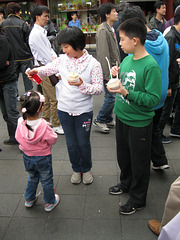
x=106 y=46
x=18 y=34
x=7 y=69
x=173 y=39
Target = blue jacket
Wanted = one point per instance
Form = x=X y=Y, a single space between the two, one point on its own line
x=75 y=24
x=157 y=46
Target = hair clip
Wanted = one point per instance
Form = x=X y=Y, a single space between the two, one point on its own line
x=41 y=97
x=24 y=110
x=27 y=94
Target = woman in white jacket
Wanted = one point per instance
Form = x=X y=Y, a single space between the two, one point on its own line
x=75 y=102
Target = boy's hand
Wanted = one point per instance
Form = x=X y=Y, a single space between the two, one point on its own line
x=120 y=90
x=76 y=83
x=115 y=71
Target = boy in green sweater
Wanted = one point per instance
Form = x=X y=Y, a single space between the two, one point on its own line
x=139 y=91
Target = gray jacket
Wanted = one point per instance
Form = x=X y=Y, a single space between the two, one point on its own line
x=106 y=46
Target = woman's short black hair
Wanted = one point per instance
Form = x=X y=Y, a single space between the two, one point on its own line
x=72 y=36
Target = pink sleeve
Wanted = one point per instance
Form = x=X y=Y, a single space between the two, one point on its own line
x=97 y=82
x=51 y=136
x=50 y=68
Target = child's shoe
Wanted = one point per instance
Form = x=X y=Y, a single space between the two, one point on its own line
x=49 y=207
x=29 y=204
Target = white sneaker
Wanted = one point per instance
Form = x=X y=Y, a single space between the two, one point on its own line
x=58 y=130
x=87 y=177
x=101 y=126
x=76 y=177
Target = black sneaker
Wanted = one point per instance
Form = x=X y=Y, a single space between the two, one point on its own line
x=115 y=190
x=10 y=142
x=127 y=209
x=165 y=140
x=162 y=167
x=175 y=133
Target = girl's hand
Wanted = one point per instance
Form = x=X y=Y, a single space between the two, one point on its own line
x=30 y=73
x=76 y=83
x=115 y=71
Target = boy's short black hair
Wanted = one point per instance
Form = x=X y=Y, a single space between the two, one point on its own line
x=176 y=4
x=132 y=11
x=12 y=8
x=159 y=3
x=177 y=16
x=134 y=27
x=72 y=36
x=73 y=13
x=104 y=9
x=38 y=11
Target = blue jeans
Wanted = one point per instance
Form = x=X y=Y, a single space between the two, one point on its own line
x=39 y=168
x=8 y=104
x=77 y=131
x=21 y=66
x=106 y=111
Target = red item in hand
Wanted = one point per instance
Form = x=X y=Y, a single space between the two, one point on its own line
x=36 y=79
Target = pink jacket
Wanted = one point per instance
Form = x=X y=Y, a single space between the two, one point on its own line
x=41 y=142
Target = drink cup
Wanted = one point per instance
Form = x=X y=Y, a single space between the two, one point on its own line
x=113 y=83
x=35 y=77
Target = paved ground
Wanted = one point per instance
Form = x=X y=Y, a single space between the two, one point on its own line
x=85 y=212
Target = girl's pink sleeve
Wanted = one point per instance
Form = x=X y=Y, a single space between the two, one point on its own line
x=51 y=136
x=96 y=87
x=50 y=68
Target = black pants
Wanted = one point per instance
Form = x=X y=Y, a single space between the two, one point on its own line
x=176 y=123
x=167 y=108
x=134 y=155
x=158 y=155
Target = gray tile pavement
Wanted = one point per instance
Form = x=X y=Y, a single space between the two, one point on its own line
x=85 y=212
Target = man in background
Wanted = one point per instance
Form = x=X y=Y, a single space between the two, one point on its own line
x=18 y=34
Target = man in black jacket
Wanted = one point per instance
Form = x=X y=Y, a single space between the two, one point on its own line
x=173 y=39
x=18 y=34
x=8 y=88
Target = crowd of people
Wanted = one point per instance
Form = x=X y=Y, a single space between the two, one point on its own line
x=143 y=55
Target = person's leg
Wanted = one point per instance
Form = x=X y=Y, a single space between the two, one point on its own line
x=175 y=129
x=44 y=166
x=172 y=206
x=140 y=150
x=105 y=113
x=167 y=108
x=8 y=105
x=27 y=82
x=158 y=155
x=123 y=155
x=68 y=124
x=50 y=91
x=33 y=178
x=83 y=124
x=46 y=106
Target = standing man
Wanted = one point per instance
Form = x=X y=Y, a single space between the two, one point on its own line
x=158 y=21
x=107 y=46
x=44 y=54
x=173 y=39
x=18 y=34
x=74 y=22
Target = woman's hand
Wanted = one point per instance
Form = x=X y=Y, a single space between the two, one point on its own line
x=30 y=73
x=115 y=71
x=76 y=83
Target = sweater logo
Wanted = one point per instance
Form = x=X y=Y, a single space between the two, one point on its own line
x=128 y=81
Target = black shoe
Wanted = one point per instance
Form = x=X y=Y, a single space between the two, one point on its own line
x=165 y=140
x=0 y=149
x=115 y=190
x=127 y=209
x=10 y=142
